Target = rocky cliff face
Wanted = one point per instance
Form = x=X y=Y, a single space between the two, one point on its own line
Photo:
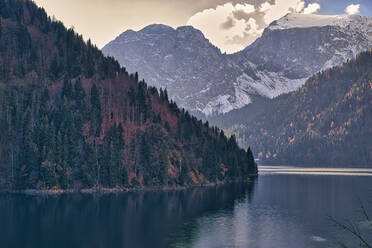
x=203 y=80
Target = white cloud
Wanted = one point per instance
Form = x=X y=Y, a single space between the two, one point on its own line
x=232 y=27
x=265 y=6
x=214 y=23
x=312 y=8
x=352 y=9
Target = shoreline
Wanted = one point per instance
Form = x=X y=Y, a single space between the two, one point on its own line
x=36 y=192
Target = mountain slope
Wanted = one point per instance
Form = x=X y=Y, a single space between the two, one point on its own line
x=72 y=118
x=290 y=51
x=181 y=60
x=326 y=122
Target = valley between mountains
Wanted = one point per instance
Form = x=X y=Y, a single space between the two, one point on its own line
x=289 y=96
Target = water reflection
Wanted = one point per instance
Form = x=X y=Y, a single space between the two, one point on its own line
x=142 y=219
x=281 y=210
x=286 y=211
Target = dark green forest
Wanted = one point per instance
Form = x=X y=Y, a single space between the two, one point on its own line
x=327 y=122
x=71 y=118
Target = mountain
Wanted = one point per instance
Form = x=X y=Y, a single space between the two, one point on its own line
x=204 y=81
x=71 y=118
x=181 y=60
x=327 y=122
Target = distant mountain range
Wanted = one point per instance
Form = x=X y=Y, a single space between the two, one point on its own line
x=327 y=122
x=203 y=80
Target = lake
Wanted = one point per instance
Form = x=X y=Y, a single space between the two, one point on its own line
x=284 y=207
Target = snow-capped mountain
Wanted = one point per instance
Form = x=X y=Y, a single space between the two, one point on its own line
x=202 y=79
x=181 y=60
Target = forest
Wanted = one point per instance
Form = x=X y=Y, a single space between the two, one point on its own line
x=327 y=122
x=71 y=118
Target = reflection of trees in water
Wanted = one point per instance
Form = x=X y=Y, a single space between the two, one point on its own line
x=224 y=199
x=141 y=219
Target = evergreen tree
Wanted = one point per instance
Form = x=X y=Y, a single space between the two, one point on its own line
x=96 y=109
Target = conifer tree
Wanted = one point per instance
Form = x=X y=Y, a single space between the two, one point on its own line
x=96 y=109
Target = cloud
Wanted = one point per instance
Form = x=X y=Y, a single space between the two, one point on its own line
x=232 y=27
x=312 y=8
x=230 y=22
x=352 y=9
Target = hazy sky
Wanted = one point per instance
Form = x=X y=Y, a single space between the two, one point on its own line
x=230 y=25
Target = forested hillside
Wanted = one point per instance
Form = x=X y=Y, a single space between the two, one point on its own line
x=327 y=122
x=71 y=118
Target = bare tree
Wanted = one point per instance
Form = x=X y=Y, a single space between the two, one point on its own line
x=354 y=229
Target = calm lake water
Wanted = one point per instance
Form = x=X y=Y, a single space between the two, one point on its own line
x=285 y=207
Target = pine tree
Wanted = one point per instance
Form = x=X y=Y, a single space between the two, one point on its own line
x=96 y=109
x=67 y=89
x=54 y=69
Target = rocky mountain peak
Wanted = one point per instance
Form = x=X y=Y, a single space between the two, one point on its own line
x=157 y=28
x=190 y=33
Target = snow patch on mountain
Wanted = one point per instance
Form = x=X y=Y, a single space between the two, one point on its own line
x=226 y=103
x=269 y=84
x=295 y=20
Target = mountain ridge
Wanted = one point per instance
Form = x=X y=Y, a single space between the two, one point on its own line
x=231 y=81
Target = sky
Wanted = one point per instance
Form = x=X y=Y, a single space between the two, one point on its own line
x=230 y=25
